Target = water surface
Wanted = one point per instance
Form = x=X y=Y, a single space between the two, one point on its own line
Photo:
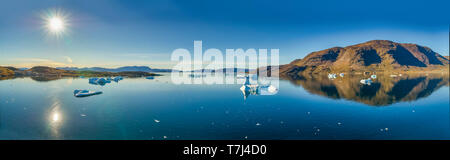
x=404 y=107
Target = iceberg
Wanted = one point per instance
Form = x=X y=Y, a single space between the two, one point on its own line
x=272 y=89
x=249 y=89
x=331 y=76
x=85 y=93
x=99 y=81
x=366 y=81
x=373 y=76
x=342 y=74
x=197 y=75
x=102 y=81
x=93 y=80
x=118 y=78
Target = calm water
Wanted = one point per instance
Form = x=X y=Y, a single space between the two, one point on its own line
x=407 y=107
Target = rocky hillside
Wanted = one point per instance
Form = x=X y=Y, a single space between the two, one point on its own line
x=376 y=55
x=48 y=71
x=6 y=72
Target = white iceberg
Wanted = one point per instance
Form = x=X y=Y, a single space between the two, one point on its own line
x=366 y=81
x=331 y=76
x=85 y=93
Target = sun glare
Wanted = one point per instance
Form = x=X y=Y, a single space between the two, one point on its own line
x=56 y=22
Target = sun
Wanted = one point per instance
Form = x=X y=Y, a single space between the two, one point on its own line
x=56 y=22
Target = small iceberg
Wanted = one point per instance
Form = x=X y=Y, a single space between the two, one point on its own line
x=93 y=80
x=342 y=74
x=250 y=89
x=373 y=76
x=366 y=81
x=118 y=78
x=240 y=77
x=197 y=75
x=332 y=76
x=150 y=77
x=99 y=81
x=272 y=89
x=102 y=81
x=85 y=93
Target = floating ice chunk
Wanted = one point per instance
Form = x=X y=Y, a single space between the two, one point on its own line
x=331 y=76
x=157 y=121
x=85 y=93
x=272 y=89
x=102 y=80
x=366 y=81
x=118 y=78
x=93 y=80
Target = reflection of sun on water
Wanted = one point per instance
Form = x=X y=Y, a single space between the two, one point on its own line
x=69 y=81
x=55 y=118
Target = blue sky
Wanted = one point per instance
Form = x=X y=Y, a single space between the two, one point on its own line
x=112 y=33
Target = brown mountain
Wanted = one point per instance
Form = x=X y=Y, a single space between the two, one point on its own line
x=376 y=55
x=6 y=72
x=48 y=71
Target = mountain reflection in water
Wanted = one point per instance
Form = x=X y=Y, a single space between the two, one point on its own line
x=384 y=90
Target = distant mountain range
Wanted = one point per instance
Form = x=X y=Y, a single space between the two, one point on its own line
x=371 y=56
x=43 y=71
x=120 y=69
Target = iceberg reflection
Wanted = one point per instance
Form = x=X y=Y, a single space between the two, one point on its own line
x=257 y=89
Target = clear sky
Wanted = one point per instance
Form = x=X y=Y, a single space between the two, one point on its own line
x=112 y=33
